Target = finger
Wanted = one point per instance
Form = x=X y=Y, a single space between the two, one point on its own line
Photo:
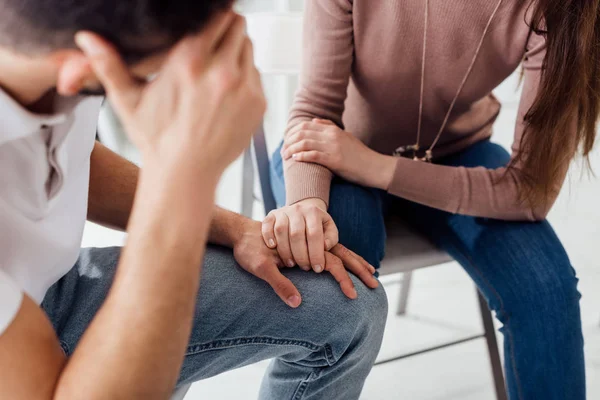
x=295 y=137
x=282 y=232
x=232 y=45
x=308 y=126
x=304 y=145
x=335 y=267
x=297 y=236
x=195 y=50
x=209 y=39
x=323 y=121
x=315 y=157
x=356 y=265
x=122 y=88
x=268 y=231
x=341 y=249
x=330 y=232
x=284 y=288
x=315 y=239
x=249 y=70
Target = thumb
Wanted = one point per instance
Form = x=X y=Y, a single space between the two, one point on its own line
x=323 y=121
x=284 y=288
x=330 y=232
x=122 y=89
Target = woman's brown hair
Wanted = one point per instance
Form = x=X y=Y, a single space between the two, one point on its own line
x=568 y=98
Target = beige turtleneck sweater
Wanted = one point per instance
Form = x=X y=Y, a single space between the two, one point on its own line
x=362 y=70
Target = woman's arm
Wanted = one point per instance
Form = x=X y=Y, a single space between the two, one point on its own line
x=328 y=57
x=481 y=192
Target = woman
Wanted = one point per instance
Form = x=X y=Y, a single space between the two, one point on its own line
x=396 y=100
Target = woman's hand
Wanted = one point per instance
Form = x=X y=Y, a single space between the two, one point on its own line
x=264 y=263
x=322 y=142
x=301 y=233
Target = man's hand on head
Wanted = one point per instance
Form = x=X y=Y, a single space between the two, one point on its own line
x=212 y=71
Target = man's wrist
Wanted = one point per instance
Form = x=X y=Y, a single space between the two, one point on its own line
x=228 y=228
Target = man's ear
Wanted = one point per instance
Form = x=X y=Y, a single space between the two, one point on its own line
x=73 y=72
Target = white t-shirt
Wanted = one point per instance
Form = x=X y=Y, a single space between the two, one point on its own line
x=44 y=179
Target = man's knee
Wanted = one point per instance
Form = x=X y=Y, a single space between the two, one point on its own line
x=358 y=215
x=358 y=323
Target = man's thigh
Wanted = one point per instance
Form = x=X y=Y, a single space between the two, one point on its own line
x=239 y=320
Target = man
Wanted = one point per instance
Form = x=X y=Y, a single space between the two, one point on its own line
x=133 y=324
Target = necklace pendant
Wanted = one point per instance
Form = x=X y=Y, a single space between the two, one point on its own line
x=429 y=156
x=427 y=159
x=402 y=150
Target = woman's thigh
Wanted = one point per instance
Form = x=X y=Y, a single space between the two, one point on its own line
x=357 y=212
x=525 y=274
x=511 y=261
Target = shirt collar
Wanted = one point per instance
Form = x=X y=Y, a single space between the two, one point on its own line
x=17 y=122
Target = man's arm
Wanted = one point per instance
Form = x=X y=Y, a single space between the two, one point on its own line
x=113 y=182
x=135 y=345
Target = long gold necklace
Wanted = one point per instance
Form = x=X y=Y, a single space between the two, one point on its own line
x=402 y=151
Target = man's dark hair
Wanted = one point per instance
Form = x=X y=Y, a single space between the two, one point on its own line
x=138 y=28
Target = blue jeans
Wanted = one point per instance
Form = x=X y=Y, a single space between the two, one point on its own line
x=521 y=268
x=322 y=350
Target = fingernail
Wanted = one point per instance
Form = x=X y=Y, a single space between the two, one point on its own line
x=291 y=263
x=327 y=244
x=271 y=243
x=293 y=301
x=87 y=44
x=318 y=269
x=354 y=293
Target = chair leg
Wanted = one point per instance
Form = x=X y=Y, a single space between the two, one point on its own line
x=404 y=292
x=492 y=343
x=181 y=392
x=247 y=206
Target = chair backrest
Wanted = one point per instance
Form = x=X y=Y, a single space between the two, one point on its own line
x=277 y=39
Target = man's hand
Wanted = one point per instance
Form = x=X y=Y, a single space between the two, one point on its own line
x=255 y=257
x=201 y=110
x=301 y=233
x=264 y=263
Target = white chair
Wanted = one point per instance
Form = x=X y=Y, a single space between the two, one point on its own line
x=277 y=41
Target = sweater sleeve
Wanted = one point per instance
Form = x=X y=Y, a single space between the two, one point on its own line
x=327 y=62
x=480 y=192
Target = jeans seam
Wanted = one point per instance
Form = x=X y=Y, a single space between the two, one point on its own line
x=502 y=310
x=299 y=393
x=225 y=343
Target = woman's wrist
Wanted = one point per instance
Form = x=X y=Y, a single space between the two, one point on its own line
x=382 y=171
